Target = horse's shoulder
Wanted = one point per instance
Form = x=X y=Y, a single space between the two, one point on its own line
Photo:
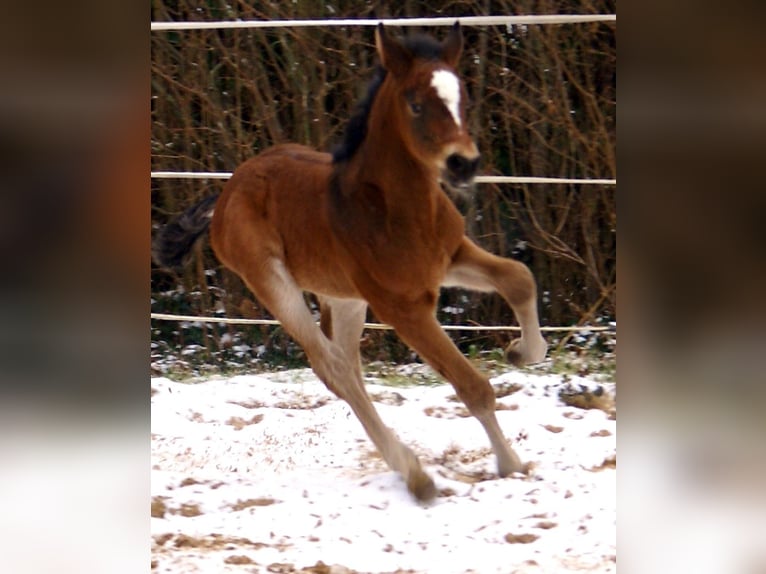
x=449 y=220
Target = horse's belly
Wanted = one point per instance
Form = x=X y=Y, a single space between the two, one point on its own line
x=322 y=277
x=313 y=261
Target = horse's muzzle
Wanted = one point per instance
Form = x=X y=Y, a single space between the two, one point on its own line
x=461 y=170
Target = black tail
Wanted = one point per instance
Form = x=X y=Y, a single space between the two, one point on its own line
x=173 y=243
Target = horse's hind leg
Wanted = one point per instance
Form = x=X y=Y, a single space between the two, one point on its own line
x=474 y=268
x=335 y=363
x=343 y=322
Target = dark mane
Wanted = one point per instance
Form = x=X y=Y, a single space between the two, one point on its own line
x=356 y=129
x=422 y=47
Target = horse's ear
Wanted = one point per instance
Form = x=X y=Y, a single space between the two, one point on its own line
x=453 y=45
x=394 y=57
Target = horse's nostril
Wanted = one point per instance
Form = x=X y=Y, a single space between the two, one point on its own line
x=455 y=162
x=461 y=166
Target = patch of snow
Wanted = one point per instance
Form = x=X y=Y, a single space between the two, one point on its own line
x=274 y=469
x=453 y=310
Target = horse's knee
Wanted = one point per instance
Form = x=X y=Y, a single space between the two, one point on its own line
x=522 y=286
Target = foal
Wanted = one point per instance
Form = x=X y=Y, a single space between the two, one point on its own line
x=371 y=225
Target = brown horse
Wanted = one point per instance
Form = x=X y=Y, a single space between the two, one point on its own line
x=371 y=225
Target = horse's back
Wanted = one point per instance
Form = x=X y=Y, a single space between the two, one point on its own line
x=281 y=165
x=274 y=206
x=292 y=152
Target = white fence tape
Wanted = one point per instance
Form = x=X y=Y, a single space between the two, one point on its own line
x=378 y=326
x=442 y=21
x=479 y=179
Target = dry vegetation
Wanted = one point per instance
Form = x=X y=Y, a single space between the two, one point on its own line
x=543 y=103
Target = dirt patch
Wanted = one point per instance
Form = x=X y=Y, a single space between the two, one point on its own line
x=446 y=413
x=159 y=508
x=187 y=510
x=454 y=453
x=504 y=407
x=251 y=404
x=280 y=568
x=300 y=402
x=585 y=398
x=322 y=568
x=440 y=412
x=239 y=423
x=505 y=389
x=454 y=457
x=210 y=542
x=304 y=403
x=501 y=390
x=161 y=539
x=250 y=502
x=238 y=559
x=391 y=398
x=469 y=477
x=573 y=416
x=609 y=462
x=546 y=524
x=520 y=538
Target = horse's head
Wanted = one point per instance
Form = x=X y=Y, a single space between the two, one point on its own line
x=429 y=103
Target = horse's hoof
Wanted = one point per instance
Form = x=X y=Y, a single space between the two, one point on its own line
x=520 y=468
x=421 y=486
x=508 y=467
x=513 y=356
x=519 y=354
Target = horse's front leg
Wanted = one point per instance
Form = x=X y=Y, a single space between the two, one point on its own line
x=417 y=326
x=474 y=268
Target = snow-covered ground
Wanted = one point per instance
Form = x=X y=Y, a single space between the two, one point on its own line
x=272 y=473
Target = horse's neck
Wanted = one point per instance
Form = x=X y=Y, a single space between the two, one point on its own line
x=385 y=173
x=386 y=164
x=380 y=202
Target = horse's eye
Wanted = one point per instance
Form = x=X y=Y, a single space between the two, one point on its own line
x=416 y=108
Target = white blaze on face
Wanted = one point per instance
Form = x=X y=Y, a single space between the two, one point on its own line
x=447 y=86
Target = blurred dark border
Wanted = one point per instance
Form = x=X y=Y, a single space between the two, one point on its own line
x=74 y=235
x=74 y=284
x=692 y=121
x=692 y=277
